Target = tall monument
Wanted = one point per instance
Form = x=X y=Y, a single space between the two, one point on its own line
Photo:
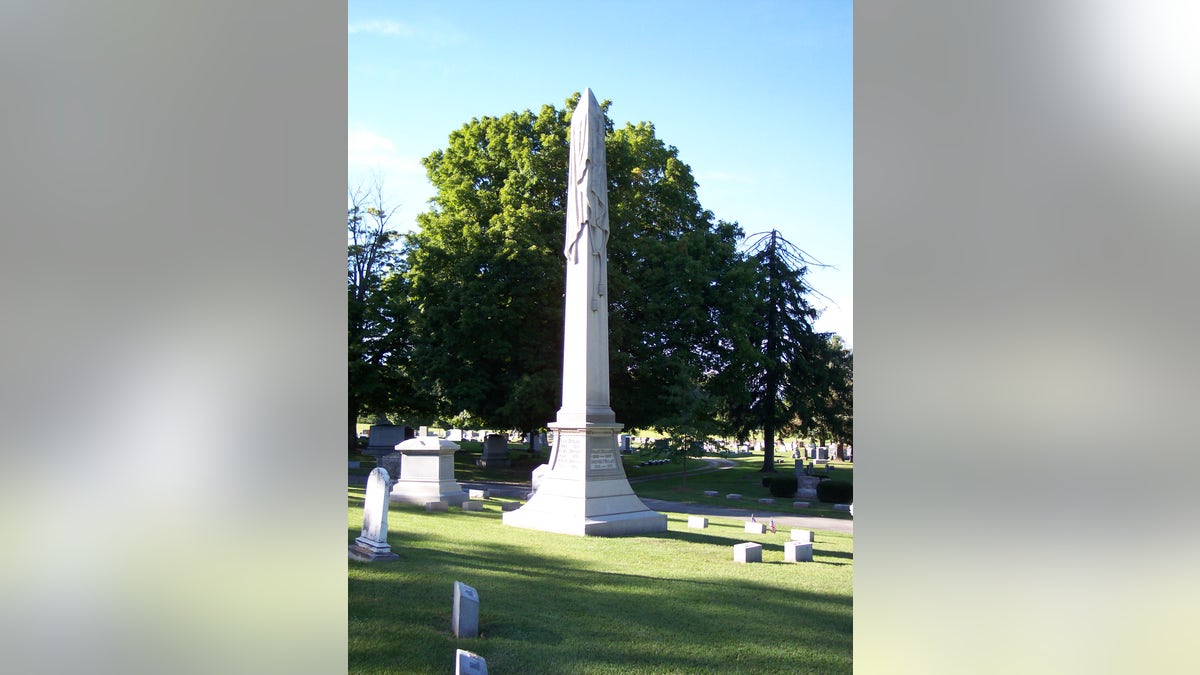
x=585 y=491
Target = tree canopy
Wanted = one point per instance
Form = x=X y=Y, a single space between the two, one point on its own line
x=486 y=271
x=709 y=334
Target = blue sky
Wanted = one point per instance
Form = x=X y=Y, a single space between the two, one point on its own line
x=757 y=97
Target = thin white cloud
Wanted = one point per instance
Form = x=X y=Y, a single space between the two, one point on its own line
x=382 y=27
x=436 y=34
x=368 y=150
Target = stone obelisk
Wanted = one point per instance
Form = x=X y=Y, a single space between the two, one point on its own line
x=585 y=491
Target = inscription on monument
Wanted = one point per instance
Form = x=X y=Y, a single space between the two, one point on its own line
x=570 y=453
x=603 y=459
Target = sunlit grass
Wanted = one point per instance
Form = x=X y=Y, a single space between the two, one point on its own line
x=669 y=603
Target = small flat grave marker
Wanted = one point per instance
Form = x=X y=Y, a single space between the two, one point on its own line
x=733 y=495
x=766 y=500
x=804 y=536
x=697 y=522
x=472 y=505
x=510 y=506
x=467 y=663
x=747 y=552
x=755 y=528
x=478 y=494
x=711 y=493
x=797 y=551
x=439 y=506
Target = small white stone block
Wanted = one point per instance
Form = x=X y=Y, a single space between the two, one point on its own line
x=733 y=495
x=472 y=505
x=478 y=494
x=441 y=506
x=804 y=536
x=841 y=507
x=797 y=551
x=711 y=493
x=747 y=553
x=465 y=619
x=698 y=522
x=766 y=500
x=801 y=505
x=466 y=663
x=510 y=506
x=755 y=528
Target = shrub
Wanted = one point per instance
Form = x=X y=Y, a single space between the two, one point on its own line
x=835 y=491
x=767 y=480
x=783 y=486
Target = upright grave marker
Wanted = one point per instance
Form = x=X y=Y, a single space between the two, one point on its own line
x=465 y=619
x=371 y=545
x=585 y=491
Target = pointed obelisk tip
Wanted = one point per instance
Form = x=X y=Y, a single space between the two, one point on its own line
x=588 y=100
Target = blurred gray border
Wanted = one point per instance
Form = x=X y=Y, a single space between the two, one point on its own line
x=173 y=184
x=1025 y=227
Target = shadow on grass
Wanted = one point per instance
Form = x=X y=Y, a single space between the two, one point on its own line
x=581 y=612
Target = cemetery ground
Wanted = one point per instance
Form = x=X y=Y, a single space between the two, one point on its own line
x=674 y=602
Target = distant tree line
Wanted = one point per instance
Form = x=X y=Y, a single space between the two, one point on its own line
x=711 y=331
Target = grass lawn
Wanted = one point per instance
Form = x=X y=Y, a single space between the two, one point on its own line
x=549 y=603
x=745 y=479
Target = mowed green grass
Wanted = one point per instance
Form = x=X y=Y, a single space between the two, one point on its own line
x=744 y=478
x=669 y=603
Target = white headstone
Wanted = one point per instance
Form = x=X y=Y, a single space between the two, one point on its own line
x=755 y=528
x=733 y=495
x=797 y=551
x=372 y=545
x=747 y=553
x=478 y=494
x=466 y=663
x=472 y=505
x=586 y=491
x=439 y=505
x=711 y=493
x=697 y=522
x=465 y=618
x=802 y=536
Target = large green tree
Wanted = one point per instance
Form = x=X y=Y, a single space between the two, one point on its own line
x=486 y=272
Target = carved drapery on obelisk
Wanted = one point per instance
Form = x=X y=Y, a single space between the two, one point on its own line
x=585 y=353
x=583 y=489
x=587 y=196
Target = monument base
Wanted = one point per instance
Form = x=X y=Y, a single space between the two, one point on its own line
x=585 y=492
x=365 y=550
x=427 y=473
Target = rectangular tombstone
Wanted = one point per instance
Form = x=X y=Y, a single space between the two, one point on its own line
x=495 y=451
x=455 y=435
x=510 y=506
x=372 y=545
x=805 y=536
x=465 y=618
x=711 y=493
x=766 y=500
x=747 y=553
x=472 y=505
x=801 y=505
x=466 y=663
x=697 y=522
x=439 y=506
x=841 y=507
x=797 y=551
x=755 y=528
x=423 y=431
x=733 y=495
x=478 y=494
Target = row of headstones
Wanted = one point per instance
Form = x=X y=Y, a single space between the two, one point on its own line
x=798 y=549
